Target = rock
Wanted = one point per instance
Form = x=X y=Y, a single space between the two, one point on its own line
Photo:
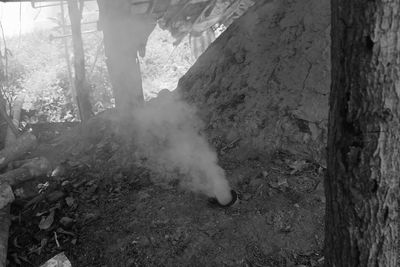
x=59 y=171
x=70 y=201
x=66 y=222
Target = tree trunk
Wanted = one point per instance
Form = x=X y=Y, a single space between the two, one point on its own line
x=362 y=185
x=3 y=121
x=124 y=34
x=81 y=85
x=11 y=137
x=4 y=115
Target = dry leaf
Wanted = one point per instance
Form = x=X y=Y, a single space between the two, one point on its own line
x=70 y=201
x=59 y=260
x=46 y=222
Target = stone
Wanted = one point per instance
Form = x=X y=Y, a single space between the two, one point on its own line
x=66 y=222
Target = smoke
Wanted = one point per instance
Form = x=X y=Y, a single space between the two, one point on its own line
x=168 y=134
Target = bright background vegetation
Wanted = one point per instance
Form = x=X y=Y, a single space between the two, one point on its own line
x=37 y=68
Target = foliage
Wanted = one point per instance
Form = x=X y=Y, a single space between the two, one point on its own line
x=13 y=84
x=43 y=80
x=164 y=63
x=38 y=69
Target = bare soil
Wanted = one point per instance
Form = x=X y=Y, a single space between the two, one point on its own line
x=110 y=212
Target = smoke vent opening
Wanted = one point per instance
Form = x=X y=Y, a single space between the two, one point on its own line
x=216 y=202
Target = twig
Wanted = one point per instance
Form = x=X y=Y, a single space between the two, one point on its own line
x=56 y=239
x=230 y=145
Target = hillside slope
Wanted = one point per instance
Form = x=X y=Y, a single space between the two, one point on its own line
x=266 y=80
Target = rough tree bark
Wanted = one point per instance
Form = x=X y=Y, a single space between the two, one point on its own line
x=362 y=184
x=124 y=34
x=81 y=85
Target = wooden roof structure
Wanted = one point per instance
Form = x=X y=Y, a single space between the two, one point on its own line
x=196 y=18
x=33 y=1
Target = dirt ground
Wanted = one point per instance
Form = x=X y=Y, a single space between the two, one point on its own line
x=103 y=209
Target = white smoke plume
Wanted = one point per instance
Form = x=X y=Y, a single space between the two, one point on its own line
x=168 y=134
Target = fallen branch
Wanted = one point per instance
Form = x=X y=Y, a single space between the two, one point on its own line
x=230 y=145
x=33 y=168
